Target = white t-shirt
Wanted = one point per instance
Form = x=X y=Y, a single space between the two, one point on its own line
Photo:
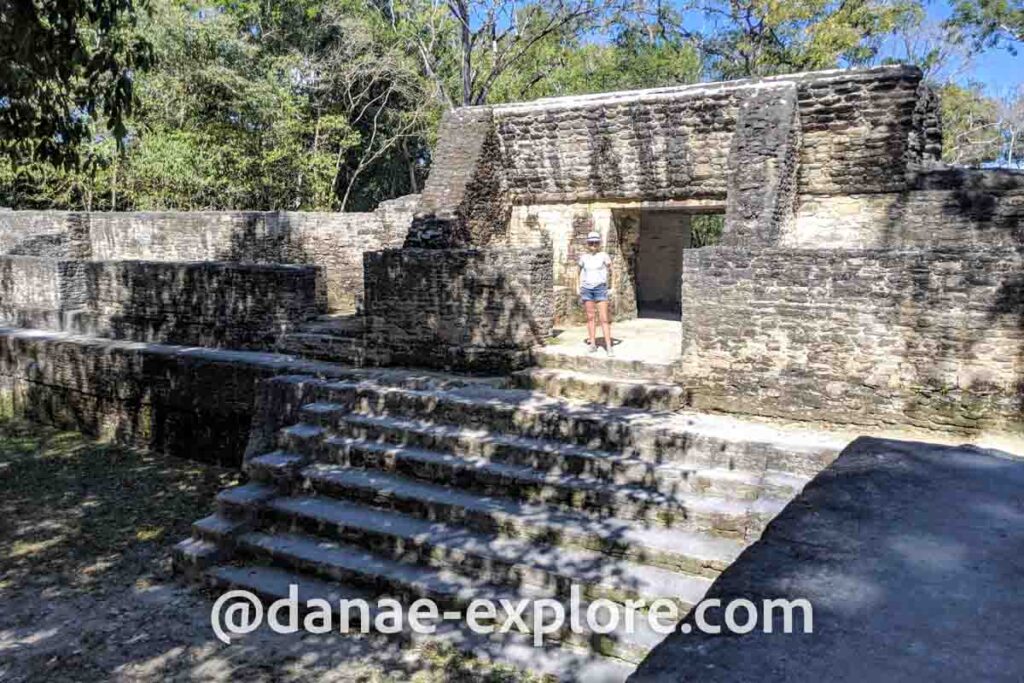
x=594 y=269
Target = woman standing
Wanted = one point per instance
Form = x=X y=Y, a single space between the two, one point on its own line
x=595 y=274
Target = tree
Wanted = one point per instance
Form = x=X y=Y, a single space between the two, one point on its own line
x=62 y=64
x=641 y=55
x=766 y=37
x=971 y=125
x=1011 y=124
x=989 y=23
x=466 y=47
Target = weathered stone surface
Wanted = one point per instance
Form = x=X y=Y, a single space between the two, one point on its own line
x=203 y=304
x=187 y=402
x=465 y=201
x=948 y=208
x=928 y=337
x=473 y=309
x=763 y=166
x=909 y=554
x=831 y=132
x=333 y=241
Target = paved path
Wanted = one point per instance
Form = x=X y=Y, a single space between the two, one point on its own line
x=913 y=557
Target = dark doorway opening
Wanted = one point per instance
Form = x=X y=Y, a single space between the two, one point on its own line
x=663 y=236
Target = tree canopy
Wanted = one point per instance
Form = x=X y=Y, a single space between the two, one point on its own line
x=334 y=104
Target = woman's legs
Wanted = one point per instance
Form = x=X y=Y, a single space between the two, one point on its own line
x=606 y=325
x=590 y=307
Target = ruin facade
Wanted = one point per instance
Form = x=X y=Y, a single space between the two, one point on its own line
x=851 y=279
x=854 y=279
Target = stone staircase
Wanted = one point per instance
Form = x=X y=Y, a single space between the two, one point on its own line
x=334 y=337
x=460 y=493
x=619 y=382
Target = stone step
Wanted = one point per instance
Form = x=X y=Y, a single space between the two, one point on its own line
x=536 y=457
x=685 y=499
x=487 y=556
x=194 y=555
x=521 y=519
x=352 y=326
x=449 y=590
x=695 y=553
x=722 y=516
x=645 y=394
x=517 y=650
x=600 y=364
x=327 y=347
x=691 y=438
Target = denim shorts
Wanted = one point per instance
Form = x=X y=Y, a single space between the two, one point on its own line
x=599 y=293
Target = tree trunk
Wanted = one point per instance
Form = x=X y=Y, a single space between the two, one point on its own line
x=467 y=53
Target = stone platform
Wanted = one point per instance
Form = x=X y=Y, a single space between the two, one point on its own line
x=647 y=344
x=911 y=555
x=640 y=375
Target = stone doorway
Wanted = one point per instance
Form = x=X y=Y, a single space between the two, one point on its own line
x=659 y=263
x=662 y=236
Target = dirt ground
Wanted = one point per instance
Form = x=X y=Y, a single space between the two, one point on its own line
x=87 y=593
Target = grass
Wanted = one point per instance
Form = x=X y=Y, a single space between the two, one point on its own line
x=87 y=523
x=73 y=511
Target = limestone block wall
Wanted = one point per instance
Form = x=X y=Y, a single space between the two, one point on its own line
x=333 y=241
x=864 y=130
x=471 y=309
x=860 y=131
x=763 y=166
x=760 y=141
x=465 y=200
x=652 y=145
x=186 y=402
x=30 y=293
x=952 y=207
x=203 y=304
x=928 y=337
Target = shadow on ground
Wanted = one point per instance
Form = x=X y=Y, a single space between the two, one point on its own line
x=86 y=591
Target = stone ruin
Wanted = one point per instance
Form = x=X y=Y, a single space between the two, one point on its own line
x=377 y=372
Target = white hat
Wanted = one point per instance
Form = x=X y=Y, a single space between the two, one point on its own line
x=593 y=236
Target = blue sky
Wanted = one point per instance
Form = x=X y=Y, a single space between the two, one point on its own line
x=997 y=68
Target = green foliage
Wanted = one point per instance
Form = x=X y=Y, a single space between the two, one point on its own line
x=971 y=126
x=62 y=64
x=990 y=23
x=334 y=104
x=766 y=37
x=638 y=57
x=706 y=229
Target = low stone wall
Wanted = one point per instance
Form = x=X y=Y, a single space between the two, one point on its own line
x=185 y=402
x=930 y=338
x=333 y=241
x=188 y=403
x=471 y=309
x=204 y=304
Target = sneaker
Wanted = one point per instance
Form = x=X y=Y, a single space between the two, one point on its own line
x=610 y=353
x=591 y=348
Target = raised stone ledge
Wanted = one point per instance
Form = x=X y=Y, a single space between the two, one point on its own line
x=186 y=402
x=208 y=304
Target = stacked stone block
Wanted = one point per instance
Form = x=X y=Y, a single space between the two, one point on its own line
x=471 y=309
x=333 y=241
x=205 y=304
x=925 y=337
